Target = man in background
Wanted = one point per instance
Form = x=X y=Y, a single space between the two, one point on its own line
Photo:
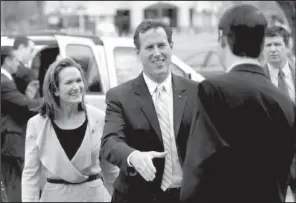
x=279 y=68
x=24 y=50
x=281 y=72
x=16 y=109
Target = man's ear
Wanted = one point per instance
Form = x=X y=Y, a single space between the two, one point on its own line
x=221 y=38
x=222 y=41
x=172 y=44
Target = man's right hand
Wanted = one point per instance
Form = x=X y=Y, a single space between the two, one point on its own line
x=142 y=162
x=32 y=89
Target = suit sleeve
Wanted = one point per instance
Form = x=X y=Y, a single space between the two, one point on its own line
x=32 y=167
x=15 y=100
x=23 y=77
x=110 y=173
x=114 y=147
x=203 y=142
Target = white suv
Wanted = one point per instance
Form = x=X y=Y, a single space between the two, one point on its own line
x=107 y=61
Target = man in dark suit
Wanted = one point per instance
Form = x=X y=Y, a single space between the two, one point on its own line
x=278 y=67
x=281 y=71
x=16 y=109
x=147 y=122
x=242 y=144
x=24 y=49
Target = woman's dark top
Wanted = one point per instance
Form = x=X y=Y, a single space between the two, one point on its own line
x=70 y=139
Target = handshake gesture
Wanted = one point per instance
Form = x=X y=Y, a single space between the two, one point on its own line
x=142 y=162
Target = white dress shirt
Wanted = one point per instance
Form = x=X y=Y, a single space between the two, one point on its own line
x=167 y=83
x=7 y=74
x=273 y=72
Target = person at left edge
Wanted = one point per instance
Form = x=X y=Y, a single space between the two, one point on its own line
x=16 y=110
x=64 y=142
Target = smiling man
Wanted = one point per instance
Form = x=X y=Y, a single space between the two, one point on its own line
x=148 y=121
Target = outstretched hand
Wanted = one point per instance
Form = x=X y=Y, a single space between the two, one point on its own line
x=142 y=162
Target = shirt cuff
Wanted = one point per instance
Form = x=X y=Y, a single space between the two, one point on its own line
x=128 y=158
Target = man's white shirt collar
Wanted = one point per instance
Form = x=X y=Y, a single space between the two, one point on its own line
x=243 y=61
x=6 y=73
x=275 y=71
x=152 y=85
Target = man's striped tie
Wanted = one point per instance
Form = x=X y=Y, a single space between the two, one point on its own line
x=164 y=121
x=282 y=85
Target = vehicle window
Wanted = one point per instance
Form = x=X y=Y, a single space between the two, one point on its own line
x=85 y=57
x=128 y=66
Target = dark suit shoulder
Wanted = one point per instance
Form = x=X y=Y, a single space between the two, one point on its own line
x=7 y=84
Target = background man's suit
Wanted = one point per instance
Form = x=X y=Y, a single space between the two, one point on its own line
x=293 y=167
x=14 y=116
x=293 y=71
x=131 y=123
x=243 y=142
x=23 y=77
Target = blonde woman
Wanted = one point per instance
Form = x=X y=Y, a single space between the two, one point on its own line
x=63 y=143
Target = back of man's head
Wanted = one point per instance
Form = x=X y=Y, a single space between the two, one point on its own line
x=244 y=27
x=21 y=40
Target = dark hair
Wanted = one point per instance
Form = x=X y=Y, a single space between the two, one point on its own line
x=20 y=40
x=244 y=27
x=51 y=84
x=275 y=31
x=6 y=52
x=148 y=24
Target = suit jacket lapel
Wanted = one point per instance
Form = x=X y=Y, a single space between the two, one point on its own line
x=52 y=155
x=145 y=101
x=266 y=70
x=293 y=71
x=179 y=101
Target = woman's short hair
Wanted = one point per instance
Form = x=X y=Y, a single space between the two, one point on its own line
x=51 y=85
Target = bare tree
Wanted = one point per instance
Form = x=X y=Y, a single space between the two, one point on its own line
x=290 y=12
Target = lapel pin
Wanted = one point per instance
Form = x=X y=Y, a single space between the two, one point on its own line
x=179 y=96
